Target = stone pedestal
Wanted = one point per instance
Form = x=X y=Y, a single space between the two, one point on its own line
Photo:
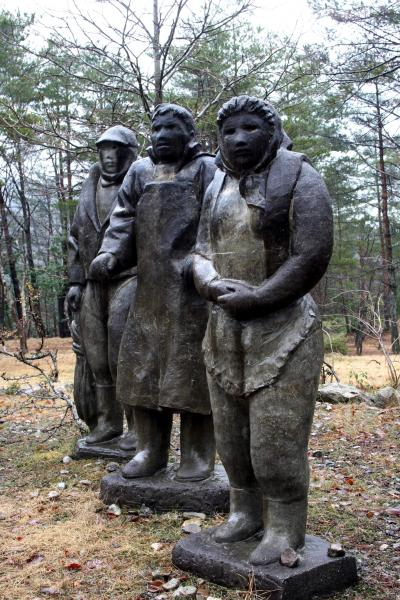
x=162 y=492
x=108 y=449
x=227 y=565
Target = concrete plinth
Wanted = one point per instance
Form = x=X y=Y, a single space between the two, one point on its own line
x=227 y=565
x=108 y=449
x=162 y=492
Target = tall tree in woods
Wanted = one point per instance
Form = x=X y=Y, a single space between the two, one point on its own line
x=17 y=84
x=366 y=69
x=143 y=49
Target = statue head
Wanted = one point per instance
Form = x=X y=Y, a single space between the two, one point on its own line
x=250 y=133
x=117 y=148
x=172 y=132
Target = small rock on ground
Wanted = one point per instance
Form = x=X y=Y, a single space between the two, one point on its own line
x=185 y=591
x=289 y=558
x=189 y=527
x=171 y=585
x=337 y=393
x=194 y=515
x=335 y=550
x=112 y=466
x=386 y=397
x=114 y=509
x=66 y=460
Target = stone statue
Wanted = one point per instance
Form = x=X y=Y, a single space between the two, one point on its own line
x=100 y=309
x=160 y=369
x=264 y=241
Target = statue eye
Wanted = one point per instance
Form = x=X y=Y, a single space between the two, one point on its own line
x=229 y=131
x=250 y=127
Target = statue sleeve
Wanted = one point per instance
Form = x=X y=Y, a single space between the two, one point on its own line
x=76 y=271
x=119 y=238
x=310 y=245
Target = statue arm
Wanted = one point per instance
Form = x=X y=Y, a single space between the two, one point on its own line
x=119 y=238
x=311 y=243
x=310 y=251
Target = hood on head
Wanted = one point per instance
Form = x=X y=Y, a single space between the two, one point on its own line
x=277 y=137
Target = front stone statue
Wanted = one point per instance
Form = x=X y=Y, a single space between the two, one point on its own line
x=100 y=309
x=160 y=368
x=265 y=240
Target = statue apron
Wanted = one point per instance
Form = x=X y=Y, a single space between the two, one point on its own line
x=161 y=361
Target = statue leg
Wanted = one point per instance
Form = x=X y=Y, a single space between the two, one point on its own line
x=93 y=322
x=232 y=434
x=122 y=299
x=153 y=430
x=197 y=447
x=280 y=423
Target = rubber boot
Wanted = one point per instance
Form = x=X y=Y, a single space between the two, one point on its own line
x=245 y=516
x=286 y=528
x=153 y=430
x=128 y=441
x=197 y=447
x=109 y=416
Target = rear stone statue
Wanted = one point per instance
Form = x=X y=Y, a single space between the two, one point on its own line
x=161 y=370
x=99 y=309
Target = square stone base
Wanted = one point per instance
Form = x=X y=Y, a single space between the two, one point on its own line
x=108 y=449
x=162 y=492
x=227 y=565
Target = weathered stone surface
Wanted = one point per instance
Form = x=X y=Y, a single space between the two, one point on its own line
x=162 y=492
x=108 y=449
x=337 y=393
x=386 y=397
x=227 y=565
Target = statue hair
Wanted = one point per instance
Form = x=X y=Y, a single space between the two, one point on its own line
x=248 y=104
x=177 y=111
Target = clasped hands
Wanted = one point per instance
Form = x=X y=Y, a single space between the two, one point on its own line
x=238 y=298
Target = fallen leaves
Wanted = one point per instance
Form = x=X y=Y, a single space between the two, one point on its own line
x=73 y=566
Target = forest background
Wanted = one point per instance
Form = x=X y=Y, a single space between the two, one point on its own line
x=338 y=97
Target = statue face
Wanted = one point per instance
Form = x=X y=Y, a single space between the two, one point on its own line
x=111 y=156
x=169 y=137
x=244 y=138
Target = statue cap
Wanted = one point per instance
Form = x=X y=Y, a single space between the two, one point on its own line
x=120 y=135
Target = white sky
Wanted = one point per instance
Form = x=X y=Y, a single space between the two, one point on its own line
x=281 y=16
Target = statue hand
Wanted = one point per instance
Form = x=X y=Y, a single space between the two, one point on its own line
x=241 y=302
x=102 y=266
x=218 y=288
x=74 y=296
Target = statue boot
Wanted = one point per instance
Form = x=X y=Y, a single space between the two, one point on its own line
x=128 y=441
x=153 y=430
x=109 y=416
x=197 y=443
x=286 y=528
x=245 y=516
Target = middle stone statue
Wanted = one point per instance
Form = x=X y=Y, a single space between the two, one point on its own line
x=161 y=369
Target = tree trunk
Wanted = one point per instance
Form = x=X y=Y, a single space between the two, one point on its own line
x=17 y=308
x=158 y=92
x=33 y=291
x=387 y=236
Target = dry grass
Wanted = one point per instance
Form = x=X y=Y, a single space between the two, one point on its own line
x=355 y=480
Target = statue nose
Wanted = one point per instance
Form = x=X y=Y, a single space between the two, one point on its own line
x=240 y=139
